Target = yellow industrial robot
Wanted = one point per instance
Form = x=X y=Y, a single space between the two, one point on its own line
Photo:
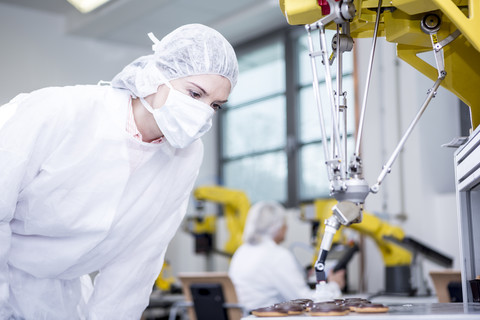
x=235 y=209
x=447 y=28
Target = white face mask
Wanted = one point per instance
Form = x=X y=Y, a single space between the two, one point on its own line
x=182 y=119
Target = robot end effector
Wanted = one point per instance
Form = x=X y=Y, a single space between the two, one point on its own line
x=344 y=213
x=350 y=194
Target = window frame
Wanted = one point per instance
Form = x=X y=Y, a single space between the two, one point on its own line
x=289 y=36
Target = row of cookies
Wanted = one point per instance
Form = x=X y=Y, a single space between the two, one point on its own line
x=336 y=307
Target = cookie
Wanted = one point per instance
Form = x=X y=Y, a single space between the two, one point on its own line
x=269 y=312
x=328 y=309
x=306 y=303
x=350 y=303
x=370 y=308
x=291 y=308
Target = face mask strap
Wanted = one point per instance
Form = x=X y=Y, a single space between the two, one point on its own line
x=146 y=105
x=164 y=80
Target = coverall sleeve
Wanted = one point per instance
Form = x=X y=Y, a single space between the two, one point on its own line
x=23 y=130
x=292 y=284
x=122 y=289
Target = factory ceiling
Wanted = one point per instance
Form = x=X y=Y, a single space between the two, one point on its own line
x=128 y=21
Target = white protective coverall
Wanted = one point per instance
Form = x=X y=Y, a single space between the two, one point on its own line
x=80 y=195
x=72 y=203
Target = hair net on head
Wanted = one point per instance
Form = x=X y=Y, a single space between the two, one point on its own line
x=192 y=49
x=264 y=220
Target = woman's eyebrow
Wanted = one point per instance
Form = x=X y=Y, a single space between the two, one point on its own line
x=201 y=89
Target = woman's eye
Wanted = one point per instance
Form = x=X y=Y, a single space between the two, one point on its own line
x=194 y=95
x=216 y=107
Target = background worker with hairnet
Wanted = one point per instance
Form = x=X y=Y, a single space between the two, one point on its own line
x=97 y=178
x=265 y=273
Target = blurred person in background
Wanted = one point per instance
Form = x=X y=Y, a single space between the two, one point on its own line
x=262 y=271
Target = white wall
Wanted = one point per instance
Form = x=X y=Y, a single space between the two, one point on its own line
x=36 y=52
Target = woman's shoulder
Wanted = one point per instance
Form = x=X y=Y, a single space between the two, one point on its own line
x=77 y=92
x=267 y=246
x=281 y=252
x=67 y=90
x=81 y=99
x=57 y=97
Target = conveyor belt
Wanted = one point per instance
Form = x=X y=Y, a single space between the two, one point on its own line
x=450 y=311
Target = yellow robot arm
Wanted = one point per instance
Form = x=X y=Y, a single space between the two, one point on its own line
x=377 y=229
x=236 y=205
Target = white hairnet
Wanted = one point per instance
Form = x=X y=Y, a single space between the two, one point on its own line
x=192 y=49
x=264 y=220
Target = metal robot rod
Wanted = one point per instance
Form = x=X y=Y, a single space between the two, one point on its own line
x=387 y=167
x=316 y=92
x=331 y=226
x=367 y=82
x=341 y=13
x=333 y=107
x=430 y=28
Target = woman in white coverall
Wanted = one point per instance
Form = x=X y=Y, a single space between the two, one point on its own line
x=265 y=273
x=97 y=178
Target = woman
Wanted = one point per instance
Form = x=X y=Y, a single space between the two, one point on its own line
x=96 y=179
x=265 y=273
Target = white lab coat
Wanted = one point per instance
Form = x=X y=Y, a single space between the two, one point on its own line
x=266 y=273
x=78 y=194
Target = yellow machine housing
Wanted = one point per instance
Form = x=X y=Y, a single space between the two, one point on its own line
x=205 y=225
x=165 y=279
x=400 y=24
